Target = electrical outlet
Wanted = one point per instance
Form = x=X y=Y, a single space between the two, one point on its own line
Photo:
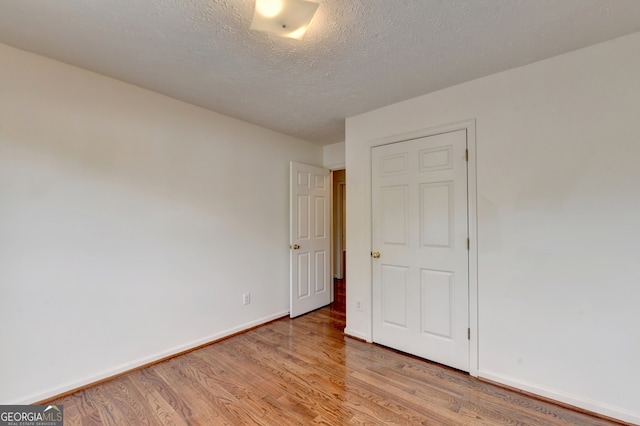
x=246 y=298
x=358 y=305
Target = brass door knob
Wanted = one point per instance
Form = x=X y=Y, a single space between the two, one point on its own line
x=375 y=254
x=295 y=246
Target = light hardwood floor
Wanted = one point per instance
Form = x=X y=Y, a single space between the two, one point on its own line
x=305 y=371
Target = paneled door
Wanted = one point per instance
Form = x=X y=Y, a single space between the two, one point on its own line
x=310 y=245
x=420 y=252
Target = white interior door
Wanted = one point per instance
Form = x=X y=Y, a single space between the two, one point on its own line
x=310 y=238
x=420 y=231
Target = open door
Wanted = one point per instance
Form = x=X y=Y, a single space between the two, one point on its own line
x=310 y=241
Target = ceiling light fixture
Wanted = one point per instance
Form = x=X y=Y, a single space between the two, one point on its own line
x=285 y=18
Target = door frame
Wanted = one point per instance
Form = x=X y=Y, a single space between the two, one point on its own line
x=470 y=127
x=338 y=225
x=342 y=230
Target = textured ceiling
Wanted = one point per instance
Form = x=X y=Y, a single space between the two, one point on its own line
x=357 y=56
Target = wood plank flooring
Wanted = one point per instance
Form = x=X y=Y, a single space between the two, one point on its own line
x=305 y=371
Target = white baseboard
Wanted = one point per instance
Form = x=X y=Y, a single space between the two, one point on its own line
x=105 y=374
x=355 y=334
x=574 y=400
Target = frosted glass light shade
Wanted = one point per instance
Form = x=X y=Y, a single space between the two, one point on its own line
x=286 y=18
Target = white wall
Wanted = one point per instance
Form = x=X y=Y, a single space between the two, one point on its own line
x=130 y=225
x=558 y=185
x=334 y=157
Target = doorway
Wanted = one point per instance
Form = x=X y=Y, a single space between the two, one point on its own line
x=339 y=245
x=339 y=215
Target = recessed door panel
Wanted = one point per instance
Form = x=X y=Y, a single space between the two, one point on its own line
x=321 y=181
x=394 y=295
x=304 y=179
x=321 y=268
x=394 y=164
x=304 y=217
x=304 y=267
x=320 y=205
x=433 y=159
x=436 y=299
x=395 y=215
x=436 y=214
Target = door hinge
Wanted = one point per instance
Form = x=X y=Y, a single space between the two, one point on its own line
x=468 y=334
x=466 y=154
x=468 y=244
